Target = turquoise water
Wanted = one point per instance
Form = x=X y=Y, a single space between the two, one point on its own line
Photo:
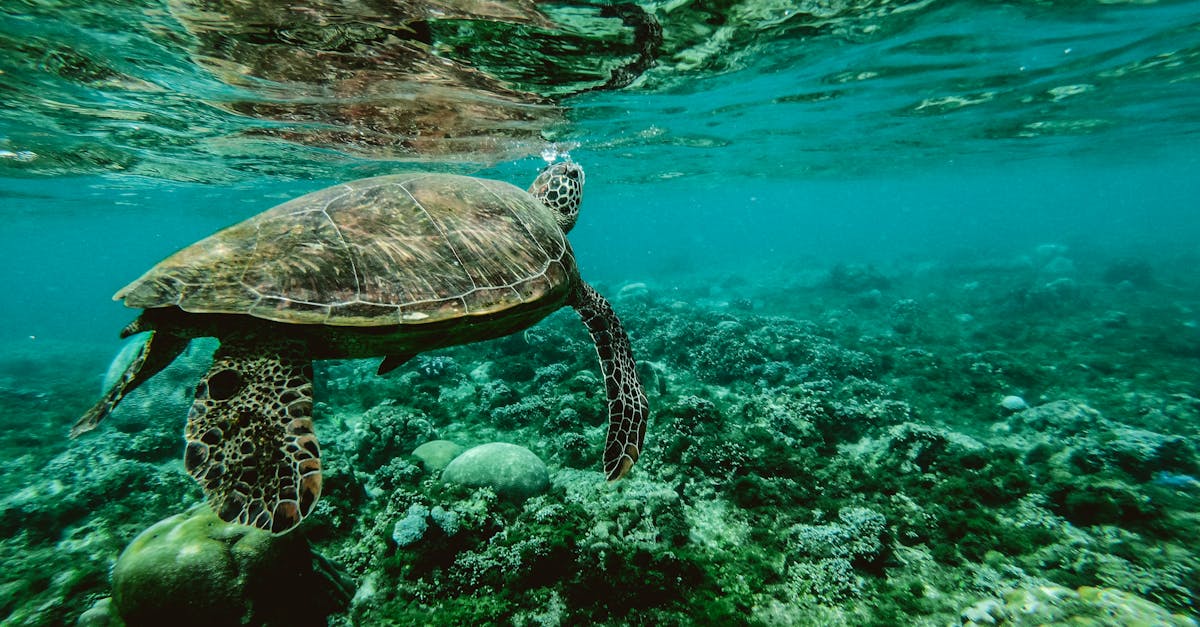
x=838 y=233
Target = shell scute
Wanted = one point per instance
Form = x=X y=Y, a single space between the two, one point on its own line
x=225 y=296
x=396 y=249
x=296 y=312
x=300 y=257
x=365 y=313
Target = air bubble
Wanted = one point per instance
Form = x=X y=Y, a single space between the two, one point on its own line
x=554 y=152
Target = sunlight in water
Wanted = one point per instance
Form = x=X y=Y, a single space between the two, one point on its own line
x=866 y=312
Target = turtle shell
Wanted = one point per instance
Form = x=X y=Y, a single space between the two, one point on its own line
x=398 y=249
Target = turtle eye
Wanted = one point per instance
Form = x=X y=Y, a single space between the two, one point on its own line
x=567 y=169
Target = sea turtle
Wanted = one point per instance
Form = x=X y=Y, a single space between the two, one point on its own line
x=387 y=266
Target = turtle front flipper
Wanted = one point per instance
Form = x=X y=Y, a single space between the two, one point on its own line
x=250 y=440
x=161 y=348
x=627 y=407
x=391 y=362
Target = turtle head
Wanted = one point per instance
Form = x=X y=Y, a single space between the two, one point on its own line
x=560 y=187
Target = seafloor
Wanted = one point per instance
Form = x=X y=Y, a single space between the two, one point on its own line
x=827 y=445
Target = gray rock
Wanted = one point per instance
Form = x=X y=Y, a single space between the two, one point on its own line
x=1059 y=418
x=121 y=361
x=170 y=393
x=1143 y=453
x=1013 y=403
x=196 y=569
x=436 y=455
x=101 y=614
x=512 y=471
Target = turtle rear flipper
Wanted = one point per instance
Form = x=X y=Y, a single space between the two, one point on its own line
x=250 y=440
x=627 y=407
x=160 y=349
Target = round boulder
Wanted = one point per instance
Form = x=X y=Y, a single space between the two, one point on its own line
x=196 y=569
x=437 y=454
x=1013 y=404
x=513 y=471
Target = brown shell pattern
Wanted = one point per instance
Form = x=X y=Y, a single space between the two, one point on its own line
x=398 y=249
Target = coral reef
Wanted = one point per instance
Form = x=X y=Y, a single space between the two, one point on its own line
x=1056 y=605
x=1008 y=442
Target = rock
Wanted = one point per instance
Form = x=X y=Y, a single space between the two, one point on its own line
x=121 y=361
x=985 y=612
x=195 y=569
x=856 y=278
x=1143 y=453
x=1113 y=319
x=915 y=448
x=1013 y=403
x=1059 y=418
x=1059 y=267
x=1176 y=481
x=169 y=393
x=512 y=471
x=1131 y=271
x=1091 y=502
x=633 y=291
x=1056 y=605
x=436 y=455
x=869 y=299
x=101 y=614
x=1059 y=294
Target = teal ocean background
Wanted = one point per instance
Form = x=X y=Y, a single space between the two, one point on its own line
x=913 y=288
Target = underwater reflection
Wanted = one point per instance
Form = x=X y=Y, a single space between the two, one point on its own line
x=365 y=77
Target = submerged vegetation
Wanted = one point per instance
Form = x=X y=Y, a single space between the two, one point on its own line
x=838 y=447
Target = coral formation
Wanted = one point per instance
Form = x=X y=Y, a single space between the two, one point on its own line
x=1056 y=605
x=921 y=446
x=512 y=471
x=195 y=569
x=435 y=455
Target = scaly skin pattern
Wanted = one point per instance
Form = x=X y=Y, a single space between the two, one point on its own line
x=250 y=440
x=627 y=407
x=390 y=266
